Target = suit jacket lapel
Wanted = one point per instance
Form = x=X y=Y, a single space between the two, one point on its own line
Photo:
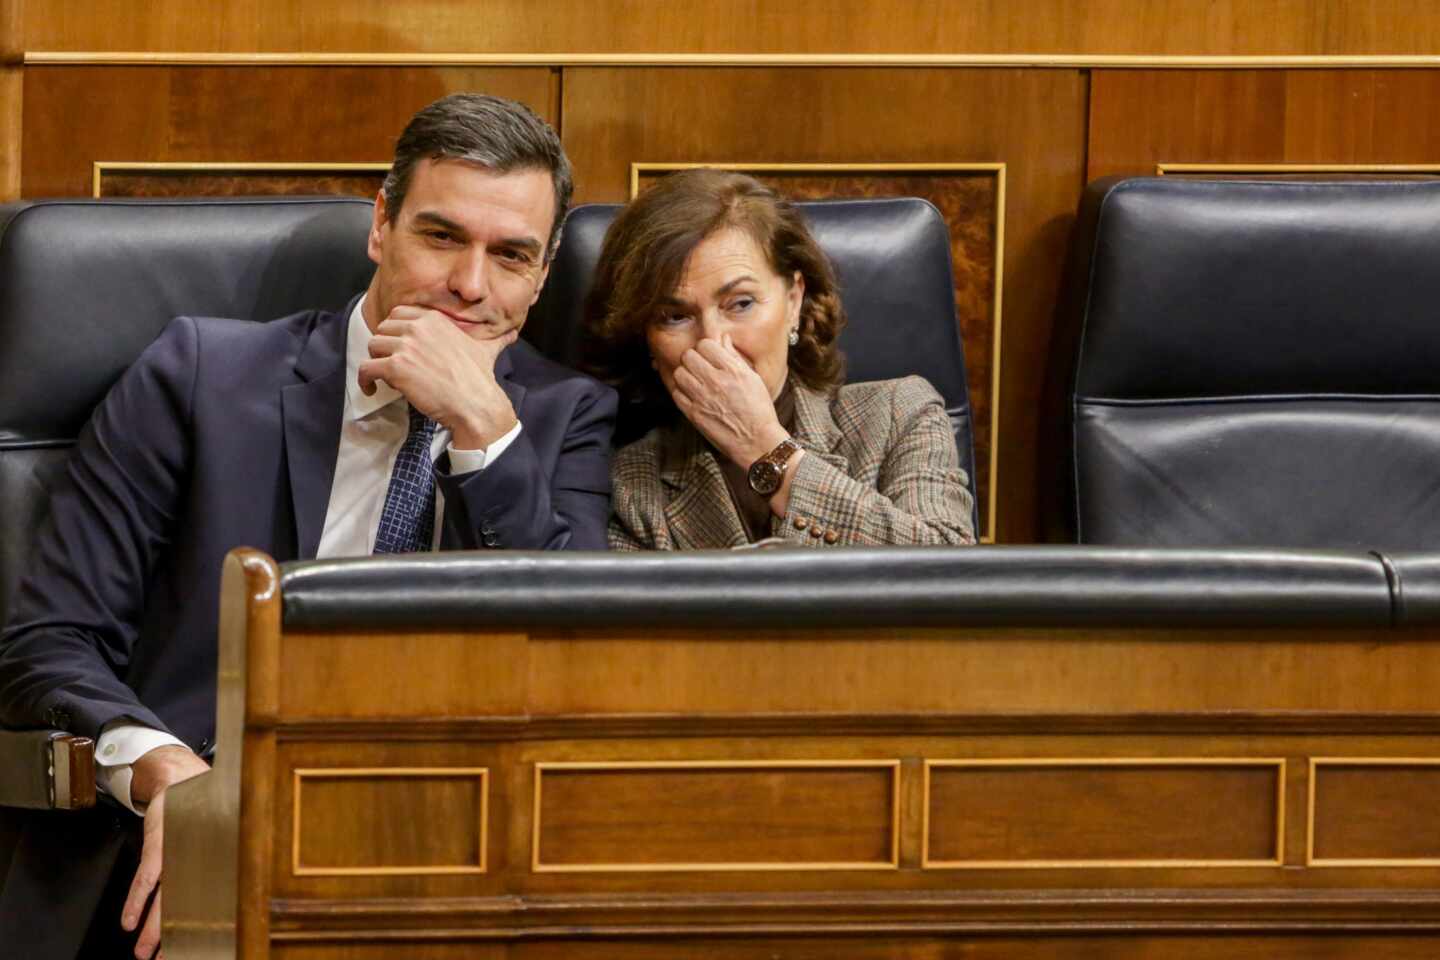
x=698 y=511
x=815 y=428
x=504 y=376
x=312 y=410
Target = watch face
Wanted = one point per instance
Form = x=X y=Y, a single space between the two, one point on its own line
x=765 y=477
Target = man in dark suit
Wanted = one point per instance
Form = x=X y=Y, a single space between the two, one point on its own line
x=413 y=420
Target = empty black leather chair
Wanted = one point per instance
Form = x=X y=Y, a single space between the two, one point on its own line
x=1259 y=364
x=893 y=262
x=84 y=287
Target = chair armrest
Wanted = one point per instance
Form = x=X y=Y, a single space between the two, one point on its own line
x=46 y=770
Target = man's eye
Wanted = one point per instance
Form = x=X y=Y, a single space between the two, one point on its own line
x=440 y=236
x=514 y=256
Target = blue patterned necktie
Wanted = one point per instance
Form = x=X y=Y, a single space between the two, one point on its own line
x=407 y=524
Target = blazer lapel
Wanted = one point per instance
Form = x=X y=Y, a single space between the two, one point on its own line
x=815 y=428
x=504 y=376
x=698 y=511
x=313 y=410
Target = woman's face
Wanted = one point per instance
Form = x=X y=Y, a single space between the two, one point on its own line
x=727 y=286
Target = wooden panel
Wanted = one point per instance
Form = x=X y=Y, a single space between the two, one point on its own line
x=1141 y=118
x=234 y=114
x=1032 y=121
x=1375 y=812
x=379 y=822
x=210 y=180
x=971 y=199
x=11 y=97
x=1002 y=813
x=1252 y=27
x=380 y=675
x=999 y=672
x=644 y=817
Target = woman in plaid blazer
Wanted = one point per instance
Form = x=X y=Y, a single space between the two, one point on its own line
x=713 y=305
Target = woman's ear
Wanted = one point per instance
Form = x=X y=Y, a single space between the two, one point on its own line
x=796 y=297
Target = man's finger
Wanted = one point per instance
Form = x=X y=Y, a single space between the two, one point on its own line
x=393 y=326
x=384 y=346
x=371 y=371
x=150 y=936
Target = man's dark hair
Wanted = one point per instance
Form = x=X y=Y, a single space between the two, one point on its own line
x=498 y=134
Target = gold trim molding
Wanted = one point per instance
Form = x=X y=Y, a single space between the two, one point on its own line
x=666 y=765
x=1278 y=763
x=336 y=773
x=563 y=59
x=998 y=169
x=1315 y=764
x=101 y=167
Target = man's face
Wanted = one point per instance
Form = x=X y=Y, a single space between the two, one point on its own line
x=467 y=242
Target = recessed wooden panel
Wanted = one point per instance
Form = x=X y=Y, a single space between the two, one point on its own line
x=1121 y=813
x=374 y=822
x=815 y=815
x=971 y=199
x=1375 y=812
x=75 y=116
x=237 y=180
x=1143 y=117
x=1033 y=121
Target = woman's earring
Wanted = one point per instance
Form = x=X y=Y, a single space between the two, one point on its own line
x=794 y=337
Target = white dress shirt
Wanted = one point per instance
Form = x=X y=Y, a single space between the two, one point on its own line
x=371 y=434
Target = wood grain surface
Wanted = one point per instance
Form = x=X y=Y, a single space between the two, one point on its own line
x=1235 y=27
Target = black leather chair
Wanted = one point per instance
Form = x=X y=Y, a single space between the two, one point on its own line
x=84 y=287
x=893 y=262
x=1259 y=364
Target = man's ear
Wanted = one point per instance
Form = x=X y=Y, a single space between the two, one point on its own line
x=374 y=244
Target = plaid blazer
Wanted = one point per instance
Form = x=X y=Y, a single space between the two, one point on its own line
x=880 y=468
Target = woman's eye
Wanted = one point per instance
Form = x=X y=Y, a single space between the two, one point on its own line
x=741 y=304
x=670 y=319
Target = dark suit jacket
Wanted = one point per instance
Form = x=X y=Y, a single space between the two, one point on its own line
x=225 y=433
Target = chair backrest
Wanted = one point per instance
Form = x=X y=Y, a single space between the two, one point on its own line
x=1259 y=364
x=893 y=261
x=86 y=285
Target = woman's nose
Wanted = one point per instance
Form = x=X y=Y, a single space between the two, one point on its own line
x=712 y=325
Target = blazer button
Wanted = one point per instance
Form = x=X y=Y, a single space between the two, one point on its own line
x=817 y=531
x=801 y=523
x=490 y=540
x=831 y=536
x=58 y=717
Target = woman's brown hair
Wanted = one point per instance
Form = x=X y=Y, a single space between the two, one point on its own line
x=644 y=255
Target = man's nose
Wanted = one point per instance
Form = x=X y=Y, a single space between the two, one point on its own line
x=470 y=276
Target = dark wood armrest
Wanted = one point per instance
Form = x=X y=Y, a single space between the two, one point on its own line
x=46 y=770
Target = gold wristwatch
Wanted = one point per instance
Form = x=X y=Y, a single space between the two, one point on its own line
x=767 y=472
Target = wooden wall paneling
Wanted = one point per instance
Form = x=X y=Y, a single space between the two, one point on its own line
x=1100 y=27
x=1146 y=117
x=12 y=49
x=1033 y=121
x=76 y=116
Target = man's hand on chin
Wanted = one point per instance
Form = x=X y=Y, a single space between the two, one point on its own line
x=446 y=372
x=151 y=775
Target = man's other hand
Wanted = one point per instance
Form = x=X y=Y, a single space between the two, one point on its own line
x=153 y=773
x=445 y=372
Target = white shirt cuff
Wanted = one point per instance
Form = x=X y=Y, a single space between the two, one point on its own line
x=120 y=745
x=468 y=461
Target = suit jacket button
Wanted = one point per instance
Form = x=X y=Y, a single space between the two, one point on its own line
x=58 y=717
x=801 y=523
x=490 y=540
x=831 y=536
